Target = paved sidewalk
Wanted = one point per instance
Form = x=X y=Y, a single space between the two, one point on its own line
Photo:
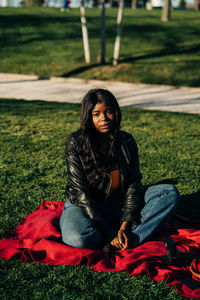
x=156 y=97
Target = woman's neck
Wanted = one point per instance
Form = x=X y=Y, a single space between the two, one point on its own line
x=104 y=148
x=103 y=142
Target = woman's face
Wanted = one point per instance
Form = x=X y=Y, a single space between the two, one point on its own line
x=102 y=117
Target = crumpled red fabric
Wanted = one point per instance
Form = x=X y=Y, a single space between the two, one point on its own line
x=38 y=238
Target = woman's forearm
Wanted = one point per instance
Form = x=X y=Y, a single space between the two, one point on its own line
x=125 y=225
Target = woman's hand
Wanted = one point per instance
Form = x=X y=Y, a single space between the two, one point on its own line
x=121 y=241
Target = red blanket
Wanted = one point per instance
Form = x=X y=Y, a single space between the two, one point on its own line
x=38 y=238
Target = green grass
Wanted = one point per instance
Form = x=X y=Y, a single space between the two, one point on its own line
x=32 y=169
x=46 y=42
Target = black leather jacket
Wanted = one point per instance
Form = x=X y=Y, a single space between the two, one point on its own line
x=93 y=198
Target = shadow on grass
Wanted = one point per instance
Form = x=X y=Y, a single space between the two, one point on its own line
x=82 y=69
x=25 y=107
x=164 y=52
x=167 y=51
x=36 y=27
x=190 y=206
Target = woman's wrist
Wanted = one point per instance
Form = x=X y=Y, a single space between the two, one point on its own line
x=124 y=226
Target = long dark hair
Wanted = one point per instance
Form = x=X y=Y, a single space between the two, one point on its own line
x=95 y=162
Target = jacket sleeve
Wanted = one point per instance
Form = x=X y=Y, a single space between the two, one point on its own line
x=134 y=197
x=79 y=188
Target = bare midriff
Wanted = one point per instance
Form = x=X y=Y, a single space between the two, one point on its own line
x=115 y=177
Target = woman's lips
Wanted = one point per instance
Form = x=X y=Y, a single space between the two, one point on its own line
x=105 y=125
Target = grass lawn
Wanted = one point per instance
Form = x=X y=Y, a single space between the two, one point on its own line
x=46 y=42
x=33 y=169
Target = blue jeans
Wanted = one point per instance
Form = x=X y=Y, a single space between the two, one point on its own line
x=78 y=230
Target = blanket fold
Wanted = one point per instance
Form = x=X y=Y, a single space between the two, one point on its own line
x=38 y=238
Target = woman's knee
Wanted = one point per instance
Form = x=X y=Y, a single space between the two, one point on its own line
x=167 y=191
x=91 y=241
x=171 y=194
x=78 y=230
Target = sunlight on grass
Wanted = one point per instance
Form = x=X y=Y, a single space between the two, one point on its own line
x=32 y=169
x=45 y=42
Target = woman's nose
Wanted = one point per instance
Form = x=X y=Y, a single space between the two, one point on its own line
x=103 y=117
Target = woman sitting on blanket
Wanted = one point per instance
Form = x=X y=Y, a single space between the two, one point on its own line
x=106 y=204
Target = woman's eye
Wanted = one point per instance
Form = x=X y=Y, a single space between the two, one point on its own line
x=95 y=115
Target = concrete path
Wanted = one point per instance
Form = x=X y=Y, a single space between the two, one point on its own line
x=156 y=97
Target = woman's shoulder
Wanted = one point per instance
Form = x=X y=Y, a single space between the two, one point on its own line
x=128 y=141
x=71 y=144
x=126 y=137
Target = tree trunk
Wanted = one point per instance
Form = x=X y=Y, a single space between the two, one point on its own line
x=85 y=33
x=134 y=4
x=197 y=4
x=103 y=32
x=119 y=31
x=111 y=3
x=4 y=3
x=45 y=3
x=166 y=11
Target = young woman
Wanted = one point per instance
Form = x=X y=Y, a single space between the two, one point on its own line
x=106 y=203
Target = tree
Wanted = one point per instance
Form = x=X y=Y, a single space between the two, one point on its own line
x=197 y=4
x=4 y=3
x=103 y=32
x=166 y=11
x=45 y=4
x=111 y=3
x=85 y=33
x=134 y=4
x=119 y=30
